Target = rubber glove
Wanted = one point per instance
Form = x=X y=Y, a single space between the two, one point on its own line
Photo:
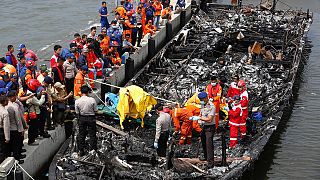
x=226 y=108
x=194 y=118
x=155 y=145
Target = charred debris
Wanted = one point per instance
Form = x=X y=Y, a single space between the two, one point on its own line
x=263 y=48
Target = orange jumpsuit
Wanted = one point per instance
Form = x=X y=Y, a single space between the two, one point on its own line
x=149 y=28
x=182 y=114
x=127 y=28
x=78 y=82
x=105 y=43
x=195 y=112
x=215 y=94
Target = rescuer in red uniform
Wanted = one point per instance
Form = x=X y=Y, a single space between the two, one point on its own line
x=244 y=101
x=234 y=121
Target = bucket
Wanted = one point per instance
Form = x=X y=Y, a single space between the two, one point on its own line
x=257 y=116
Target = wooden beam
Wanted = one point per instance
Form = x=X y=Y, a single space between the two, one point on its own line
x=117 y=131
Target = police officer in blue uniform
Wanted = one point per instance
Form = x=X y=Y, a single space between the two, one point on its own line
x=103 y=12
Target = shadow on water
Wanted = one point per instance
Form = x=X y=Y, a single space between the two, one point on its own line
x=266 y=159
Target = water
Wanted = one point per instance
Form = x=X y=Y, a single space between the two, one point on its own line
x=292 y=152
x=42 y=24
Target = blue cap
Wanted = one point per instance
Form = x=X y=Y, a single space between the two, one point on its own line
x=70 y=55
x=202 y=95
x=48 y=80
x=21 y=46
x=2 y=84
x=85 y=68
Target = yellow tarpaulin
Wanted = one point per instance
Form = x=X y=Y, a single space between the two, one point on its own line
x=194 y=100
x=134 y=102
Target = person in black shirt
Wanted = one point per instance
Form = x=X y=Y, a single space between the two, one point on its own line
x=58 y=71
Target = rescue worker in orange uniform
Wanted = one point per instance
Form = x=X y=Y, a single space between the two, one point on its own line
x=79 y=81
x=158 y=8
x=234 y=120
x=182 y=115
x=116 y=60
x=127 y=26
x=244 y=100
x=104 y=45
x=149 y=28
x=195 y=112
x=121 y=10
x=214 y=91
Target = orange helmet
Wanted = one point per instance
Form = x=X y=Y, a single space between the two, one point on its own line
x=241 y=83
x=33 y=84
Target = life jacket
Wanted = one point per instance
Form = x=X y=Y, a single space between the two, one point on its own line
x=78 y=82
x=98 y=67
x=105 y=43
x=53 y=61
x=14 y=61
x=214 y=92
x=60 y=73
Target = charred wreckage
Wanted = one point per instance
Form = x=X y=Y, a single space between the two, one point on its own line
x=265 y=49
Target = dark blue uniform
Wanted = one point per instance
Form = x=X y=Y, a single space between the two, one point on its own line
x=104 y=20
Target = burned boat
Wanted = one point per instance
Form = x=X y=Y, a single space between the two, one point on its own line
x=264 y=48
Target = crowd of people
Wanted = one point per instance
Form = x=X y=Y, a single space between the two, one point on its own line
x=34 y=97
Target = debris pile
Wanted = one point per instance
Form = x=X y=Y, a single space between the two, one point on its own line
x=264 y=49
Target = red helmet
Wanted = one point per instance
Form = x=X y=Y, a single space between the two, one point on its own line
x=129 y=13
x=1 y=65
x=30 y=63
x=33 y=84
x=241 y=83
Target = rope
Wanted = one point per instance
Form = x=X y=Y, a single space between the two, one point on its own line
x=24 y=171
x=14 y=168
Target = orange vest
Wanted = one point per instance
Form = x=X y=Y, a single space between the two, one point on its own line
x=78 y=82
x=158 y=8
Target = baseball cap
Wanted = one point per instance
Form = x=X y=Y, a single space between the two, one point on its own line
x=85 y=68
x=21 y=46
x=48 y=80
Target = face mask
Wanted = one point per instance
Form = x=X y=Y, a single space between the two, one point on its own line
x=213 y=83
x=202 y=102
x=114 y=27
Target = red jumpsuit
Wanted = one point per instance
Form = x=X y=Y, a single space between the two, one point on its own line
x=215 y=94
x=233 y=90
x=91 y=60
x=234 y=123
x=244 y=106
